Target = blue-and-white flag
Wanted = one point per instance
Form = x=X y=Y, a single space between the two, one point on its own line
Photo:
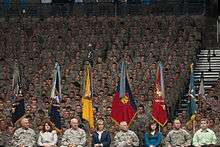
x=56 y=89
x=55 y=116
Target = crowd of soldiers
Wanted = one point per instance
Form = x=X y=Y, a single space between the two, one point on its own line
x=139 y=40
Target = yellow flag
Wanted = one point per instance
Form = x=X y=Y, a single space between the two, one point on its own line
x=87 y=109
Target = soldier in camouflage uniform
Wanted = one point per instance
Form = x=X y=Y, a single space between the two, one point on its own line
x=178 y=137
x=140 y=124
x=24 y=136
x=74 y=137
x=125 y=137
x=5 y=133
x=1 y=139
x=8 y=137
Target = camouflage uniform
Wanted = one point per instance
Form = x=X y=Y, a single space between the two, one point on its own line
x=27 y=137
x=8 y=140
x=1 y=139
x=139 y=125
x=72 y=136
x=218 y=137
x=216 y=129
x=121 y=138
x=178 y=138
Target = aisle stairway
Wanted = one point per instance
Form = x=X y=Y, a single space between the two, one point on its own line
x=208 y=62
x=210 y=69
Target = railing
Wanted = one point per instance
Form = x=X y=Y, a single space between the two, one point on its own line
x=217 y=28
x=168 y=7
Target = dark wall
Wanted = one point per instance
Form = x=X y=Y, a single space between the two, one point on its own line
x=212 y=6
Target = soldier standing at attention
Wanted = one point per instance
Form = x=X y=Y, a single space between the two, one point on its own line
x=24 y=136
x=178 y=137
x=125 y=137
x=74 y=137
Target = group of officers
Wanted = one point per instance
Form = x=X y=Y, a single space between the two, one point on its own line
x=76 y=137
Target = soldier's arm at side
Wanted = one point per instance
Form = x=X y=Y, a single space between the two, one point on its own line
x=33 y=138
x=83 y=140
x=168 y=140
x=15 y=138
x=188 y=139
x=117 y=142
x=65 y=140
x=135 y=140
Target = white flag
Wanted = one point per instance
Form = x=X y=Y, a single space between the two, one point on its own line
x=201 y=88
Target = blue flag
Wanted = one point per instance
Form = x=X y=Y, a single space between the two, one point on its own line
x=18 y=110
x=122 y=81
x=54 y=114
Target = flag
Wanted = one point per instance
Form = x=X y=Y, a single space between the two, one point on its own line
x=124 y=104
x=191 y=107
x=18 y=109
x=16 y=82
x=54 y=113
x=87 y=101
x=55 y=116
x=201 y=87
x=159 y=112
x=56 y=89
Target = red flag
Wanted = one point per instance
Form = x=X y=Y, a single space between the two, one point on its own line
x=124 y=105
x=159 y=112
